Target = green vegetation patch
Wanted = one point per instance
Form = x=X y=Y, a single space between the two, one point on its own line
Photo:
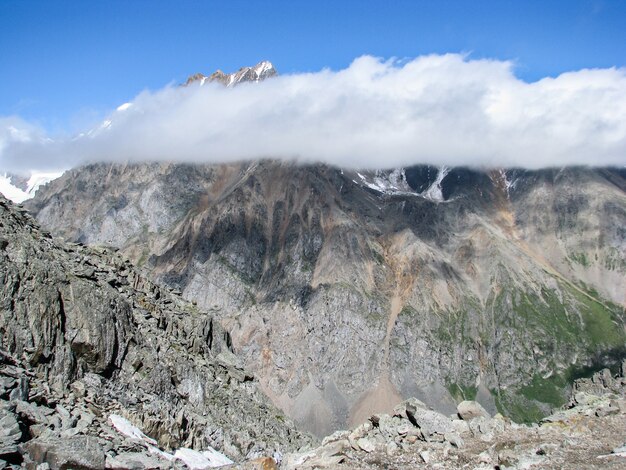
x=551 y=390
x=518 y=407
x=462 y=392
x=580 y=258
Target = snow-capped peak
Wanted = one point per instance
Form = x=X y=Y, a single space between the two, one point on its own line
x=263 y=68
x=261 y=71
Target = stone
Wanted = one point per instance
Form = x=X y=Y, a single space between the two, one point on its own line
x=454 y=439
x=32 y=413
x=433 y=425
x=392 y=448
x=21 y=391
x=468 y=410
x=366 y=444
x=260 y=463
x=136 y=461
x=77 y=452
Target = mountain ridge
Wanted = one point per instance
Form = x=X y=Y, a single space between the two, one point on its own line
x=259 y=72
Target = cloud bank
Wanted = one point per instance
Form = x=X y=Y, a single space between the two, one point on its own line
x=436 y=109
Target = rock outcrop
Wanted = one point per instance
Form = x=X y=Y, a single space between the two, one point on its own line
x=86 y=337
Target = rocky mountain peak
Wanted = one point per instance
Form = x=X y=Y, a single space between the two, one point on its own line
x=257 y=73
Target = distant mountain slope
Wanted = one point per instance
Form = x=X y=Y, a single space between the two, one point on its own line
x=345 y=292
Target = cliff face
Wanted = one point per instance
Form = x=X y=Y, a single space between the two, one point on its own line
x=345 y=292
x=85 y=336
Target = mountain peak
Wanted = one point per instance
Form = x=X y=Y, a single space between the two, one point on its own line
x=261 y=71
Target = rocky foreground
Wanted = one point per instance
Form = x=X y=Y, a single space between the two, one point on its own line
x=590 y=432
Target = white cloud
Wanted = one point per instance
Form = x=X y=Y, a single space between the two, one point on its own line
x=436 y=109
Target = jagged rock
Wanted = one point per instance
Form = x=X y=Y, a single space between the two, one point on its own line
x=10 y=434
x=433 y=425
x=32 y=413
x=468 y=410
x=21 y=391
x=366 y=444
x=76 y=452
x=327 y=456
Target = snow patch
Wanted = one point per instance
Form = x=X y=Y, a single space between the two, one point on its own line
x=11 y=192
x=124 y=107
x=388 y=182
x=19 y=195
x=509 y=183
x=200 y=460
x=192 y=458
x=37 y=180
x=263 y=67
x=126 y=428
x=434 y=192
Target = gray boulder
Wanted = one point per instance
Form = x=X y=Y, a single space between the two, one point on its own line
x=76 y=452
x=468 y=410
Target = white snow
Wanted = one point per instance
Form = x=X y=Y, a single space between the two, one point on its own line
x=160 y=453
x=200 y=460
x=263 y=67
x=40 y=179
x=510 y=184
x=124 y=107
x=388 y=182
x=126 y=428
x=434 y=192
x=18 y=195
x=195 y=460
x=394 y=183
x=11 y=192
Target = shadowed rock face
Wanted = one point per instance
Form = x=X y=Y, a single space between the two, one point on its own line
x=82 y=329
x=498 y=286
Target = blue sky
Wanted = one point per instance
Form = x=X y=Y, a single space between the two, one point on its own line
x=66 y=63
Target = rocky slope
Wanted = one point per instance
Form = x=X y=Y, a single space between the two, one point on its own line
x=89 y=346
x=346 y=291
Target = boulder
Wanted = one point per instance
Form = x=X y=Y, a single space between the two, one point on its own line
x=469 y=410
x=432 y=424
x=76 y=452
